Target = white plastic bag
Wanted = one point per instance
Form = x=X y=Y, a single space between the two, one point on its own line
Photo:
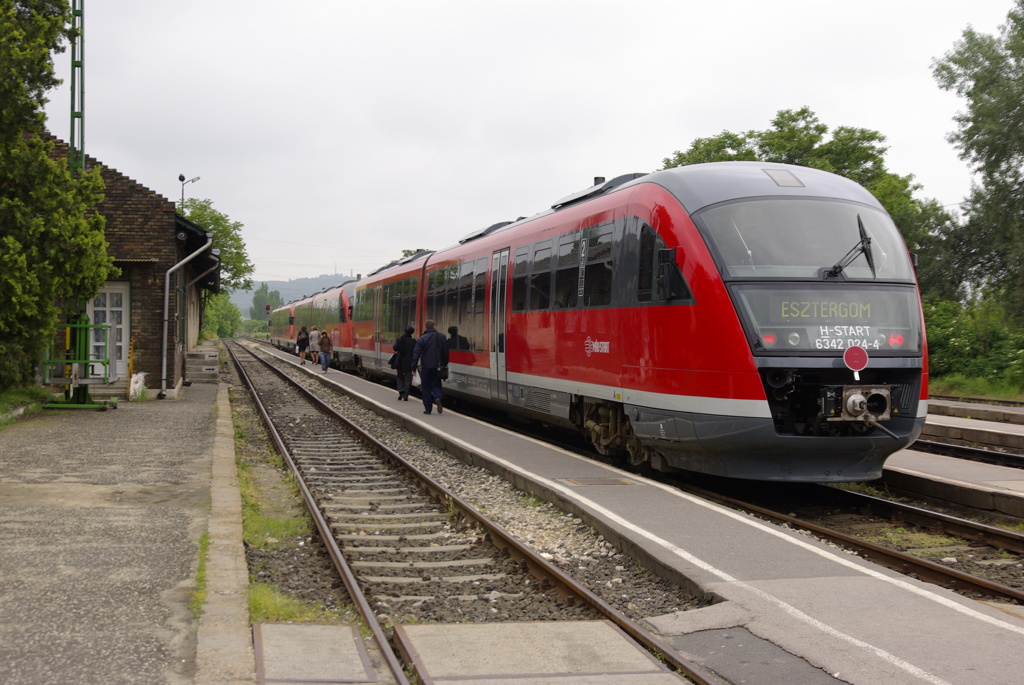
x=415 y=379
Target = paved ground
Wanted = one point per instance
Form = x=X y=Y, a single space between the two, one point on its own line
x=100 y=518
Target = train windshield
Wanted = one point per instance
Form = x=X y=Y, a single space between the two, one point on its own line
x=884 y=319
x=804 y=238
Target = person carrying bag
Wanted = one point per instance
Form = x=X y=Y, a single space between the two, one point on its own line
x=431 y=352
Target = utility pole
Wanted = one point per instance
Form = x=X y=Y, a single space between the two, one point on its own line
x=76 y=146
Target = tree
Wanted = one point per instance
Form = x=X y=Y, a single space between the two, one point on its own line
x=52 y=246
x=262 y=297
x=798 y=137
x=988 y=72
x=235 y=267
x=221 y=316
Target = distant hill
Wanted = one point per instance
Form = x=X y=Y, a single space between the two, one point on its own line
x=290 y=290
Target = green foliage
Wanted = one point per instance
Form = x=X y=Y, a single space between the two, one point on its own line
x=30 y=30
x=197 y=596
x=255 y=328
x=262 y=297
x=267 y=604
x=27 y=396
x=798 y=137
x=975 y=340
x=235 y=267
x=220 y=316
x=985 y=71
x=52 y=246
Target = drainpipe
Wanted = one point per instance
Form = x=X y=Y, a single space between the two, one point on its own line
x=167 y=306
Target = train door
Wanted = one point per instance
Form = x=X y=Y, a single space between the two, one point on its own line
x=378 y=323
x=499 y=297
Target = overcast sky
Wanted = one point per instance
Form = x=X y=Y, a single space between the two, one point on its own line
x=341 y=132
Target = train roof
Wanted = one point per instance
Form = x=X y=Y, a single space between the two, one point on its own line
x=700 y=185
x=696 y=186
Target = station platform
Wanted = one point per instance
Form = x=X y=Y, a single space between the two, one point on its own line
x=977 y=411
x=101 y=516
x=982 y=432
x=790 y=609
x=988 y=487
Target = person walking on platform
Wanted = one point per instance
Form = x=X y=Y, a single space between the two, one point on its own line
x=302 y=342
x=432 y=350
x=314 y=345
x=404 y=346
x=326 y=347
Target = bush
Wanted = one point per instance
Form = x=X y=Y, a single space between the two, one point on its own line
x=974 y=343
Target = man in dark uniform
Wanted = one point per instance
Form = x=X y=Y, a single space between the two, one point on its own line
x=432 y=351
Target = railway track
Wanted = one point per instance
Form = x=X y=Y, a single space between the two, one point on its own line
x=407 y=548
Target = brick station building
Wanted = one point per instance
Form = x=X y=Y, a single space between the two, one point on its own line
x=167 y=263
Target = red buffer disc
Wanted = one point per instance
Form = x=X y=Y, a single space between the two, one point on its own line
x=856 y=358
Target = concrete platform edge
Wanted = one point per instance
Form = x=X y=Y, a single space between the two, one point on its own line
x=224 y=653
x=977 y=496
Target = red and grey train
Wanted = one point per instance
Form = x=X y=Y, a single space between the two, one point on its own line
x=742 y=319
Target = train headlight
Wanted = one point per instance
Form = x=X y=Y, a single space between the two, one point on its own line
x=896 y=340
x=793 y=339
x=769 y=340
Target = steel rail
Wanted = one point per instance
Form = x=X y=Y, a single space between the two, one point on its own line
x=536 y=565
x=348 y=577
x=933 y=520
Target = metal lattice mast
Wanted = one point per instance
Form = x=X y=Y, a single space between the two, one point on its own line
x=76 y=148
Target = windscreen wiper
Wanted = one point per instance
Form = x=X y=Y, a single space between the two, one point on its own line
x=861 y=248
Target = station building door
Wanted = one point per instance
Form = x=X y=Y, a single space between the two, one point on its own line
x=111 y=306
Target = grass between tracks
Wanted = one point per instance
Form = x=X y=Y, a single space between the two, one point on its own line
x=272 y=518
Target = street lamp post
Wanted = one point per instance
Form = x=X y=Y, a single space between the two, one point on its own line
x=181 y=177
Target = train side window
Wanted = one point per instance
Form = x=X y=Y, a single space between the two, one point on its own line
x=476 y=336
x=671 y=284
x=597 y=289
x=364 y=305
x=645 y=269
x=451 y=308
x=435 y=294
x=410 y=287
x=540 y=277
x=519 y=278
x=567 y=274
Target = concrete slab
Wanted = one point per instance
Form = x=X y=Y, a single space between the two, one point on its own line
x=972 y=484
x=307 y=653
x=530 y=652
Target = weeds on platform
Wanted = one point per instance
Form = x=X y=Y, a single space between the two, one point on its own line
x=197 y=597
x=267 y=604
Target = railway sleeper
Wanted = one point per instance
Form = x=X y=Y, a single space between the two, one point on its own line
x=422 y=564
x=403 y=580
x=492 y=596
